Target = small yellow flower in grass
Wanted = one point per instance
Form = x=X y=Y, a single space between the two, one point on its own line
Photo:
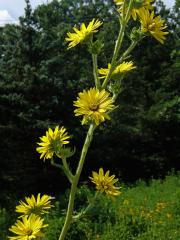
x=118 y=71
x=137 y=6
x=93 y=105
x=83 y=34
x=105 y=183
x=153 y=25
x=126 y=202
x=38 y=206
x=29 y=227
x=52 y=141
x=169 y=215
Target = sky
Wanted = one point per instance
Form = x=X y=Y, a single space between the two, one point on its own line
x=10 y=10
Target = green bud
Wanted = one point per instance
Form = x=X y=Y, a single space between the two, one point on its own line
x=136 y=34
x=115 y=87
x=138 y=4
x=96 y=47
x=65 y=152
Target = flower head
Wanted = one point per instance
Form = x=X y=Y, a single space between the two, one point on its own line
x=137 y=6
x=29 y=227
x=52 y=141
x=93 y=105
x=83 y=34
x=37 y=206
x=118 y=71
x=105 y=183
x=153 y=25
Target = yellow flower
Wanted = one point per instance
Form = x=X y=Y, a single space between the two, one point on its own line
x=105 y=183
x=52 y=141
x=153 y=25
x=28 y=228
x=93 y=105
x=169 y=215
x=37 y=206
x=118 y=71
x=160 y=206
x=126 y=202
x=83 y=34
x=136 y=7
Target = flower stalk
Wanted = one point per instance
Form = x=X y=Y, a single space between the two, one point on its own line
x=64 y=168
x=90 y=205
x=125 y=55
x=95 y=71
x=69 y=215
x=123 y=23
x=67 y=170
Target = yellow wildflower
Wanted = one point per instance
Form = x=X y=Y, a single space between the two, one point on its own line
x=83 y=34
x=29 y=227
x=126 y=202
x=160 y=206
x=105 y=183
x=93 y=105
x=144 y=4
x=37 y=206
x=118 y=71
x=153 y=25
x=169 y=215
x=52 y=141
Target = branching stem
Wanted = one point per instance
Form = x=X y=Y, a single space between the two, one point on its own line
x=74 y=184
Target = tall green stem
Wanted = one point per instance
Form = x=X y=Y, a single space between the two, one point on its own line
x=118 y=42
x=68 y=218
x=67 y=170
x=127 y=52
x=95 y=70
x=116 y=51
x=90 y=205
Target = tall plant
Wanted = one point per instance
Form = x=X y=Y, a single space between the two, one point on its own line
x=94 y=106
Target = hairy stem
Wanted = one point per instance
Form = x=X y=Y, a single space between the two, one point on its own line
x=116 y=51
x=64 y=169
x=68 y=218
x=95 y=70
x=119 y=41
x=90 y=205
x=67 y=170
x=127 y=52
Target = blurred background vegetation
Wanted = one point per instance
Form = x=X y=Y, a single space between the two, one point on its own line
x=40 y=78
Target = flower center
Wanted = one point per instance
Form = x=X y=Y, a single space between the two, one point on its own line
x=152 y=26
x=104 y=185
x=93 y=107
x=28 y=231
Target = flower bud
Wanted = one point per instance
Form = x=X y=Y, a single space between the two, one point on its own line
x=65 y=152
x=138 y=4
x=136 y=34
x=96 y=47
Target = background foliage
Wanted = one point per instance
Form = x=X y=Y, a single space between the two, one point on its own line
x=39 y=79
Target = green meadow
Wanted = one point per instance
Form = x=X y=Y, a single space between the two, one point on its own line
x=144 y=211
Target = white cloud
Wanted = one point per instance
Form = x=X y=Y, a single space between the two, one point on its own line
x=5 y=18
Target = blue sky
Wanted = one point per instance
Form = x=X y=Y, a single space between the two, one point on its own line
x=10 y=10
